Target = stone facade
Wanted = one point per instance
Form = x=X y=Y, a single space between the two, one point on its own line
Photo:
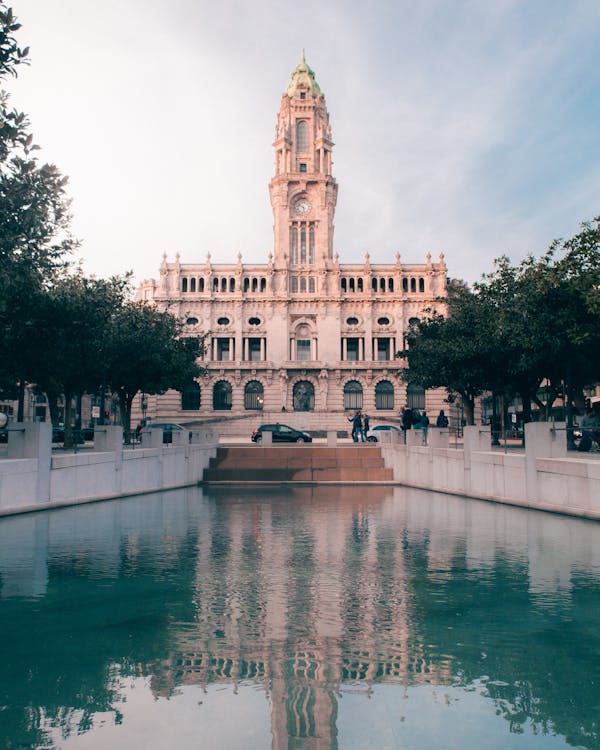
x=303 y=332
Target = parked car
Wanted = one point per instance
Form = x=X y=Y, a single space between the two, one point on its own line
x=282 y=433
x=168 y=429
x=58 y=435
x=374 y=434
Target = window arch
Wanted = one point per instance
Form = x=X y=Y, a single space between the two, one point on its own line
x=415 y=396
x=413 y=285
x=201 y=285
x=192 y=285
x=390 y=284
x=253 y=395
x=311 y=284
x=190 y=397
x=421 y=285
x=184 y=284
x=304 y=396
x=374 y=284
x=405 y=285
x=301 y=136
x=353 y=395
x=232 y=284
x=222 y=395
x=384 y=395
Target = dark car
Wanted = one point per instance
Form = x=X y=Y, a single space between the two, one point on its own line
x=168 y=429
x=374 y=434
x=58 y=435
x=281 y=434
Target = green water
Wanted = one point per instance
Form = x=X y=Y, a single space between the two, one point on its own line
x=315 y=618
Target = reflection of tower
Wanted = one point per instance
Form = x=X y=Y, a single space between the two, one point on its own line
x=303 y=190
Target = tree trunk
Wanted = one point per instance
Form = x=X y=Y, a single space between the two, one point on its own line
x=68 y=417
x=125 y=401
x=21 y=402
x=469 y=407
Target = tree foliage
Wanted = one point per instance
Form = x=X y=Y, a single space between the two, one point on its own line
x=522 y=325
x=35 y=240
x=146 y=353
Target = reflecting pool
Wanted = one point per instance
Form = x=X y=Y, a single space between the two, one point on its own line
x=305 y=618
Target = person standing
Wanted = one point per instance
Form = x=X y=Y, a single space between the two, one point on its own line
x=407 y=420
x=365 y=427
x=356 y=426
x=424 y=427
x=442 y=419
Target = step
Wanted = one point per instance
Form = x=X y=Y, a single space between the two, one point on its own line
x=298 y=463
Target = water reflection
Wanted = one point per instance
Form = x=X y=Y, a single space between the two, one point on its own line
x=298 y=619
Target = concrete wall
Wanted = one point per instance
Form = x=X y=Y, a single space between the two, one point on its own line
x=32 y=478
x=544 y=477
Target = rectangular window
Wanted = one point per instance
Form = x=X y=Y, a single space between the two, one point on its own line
x=352 y=350
x=303 y=167
x=303 y=245
x=223 y=350
x=254 y=350
x=383 y=349
x=294 y=244
x=303 y=350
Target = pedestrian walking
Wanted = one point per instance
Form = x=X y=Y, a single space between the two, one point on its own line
x=356 y=426
x=365 y=427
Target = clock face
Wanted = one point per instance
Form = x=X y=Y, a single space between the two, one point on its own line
x=302 y=207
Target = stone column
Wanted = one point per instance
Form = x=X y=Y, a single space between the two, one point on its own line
x=34 y=440
x=542 y=440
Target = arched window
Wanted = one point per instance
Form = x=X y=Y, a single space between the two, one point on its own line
x=201 y=285
x=254 y=284
x=353 y=395
x=223 y=284
x=352 y=287
x=304 y=396
x=390 y=285
x=311 y=285
x=360 y=284
x=311 y=245
x=263 y=284
x=222 y=395
x=246 y=283
x=253 y=395
x=382 y=284
x=405 y=285
x=190 y=397
x=215 y=284
x=344 y=283
x=374 y=284
x=384 y=395
x=421 y=285
x=232 y=285
x=301 y=136
x=415 y=396
x=302 y=284
x=413 y=285
x=294 y=283
x=192 y=285
x=184 y=284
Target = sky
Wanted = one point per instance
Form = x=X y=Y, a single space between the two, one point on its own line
x=469 y=128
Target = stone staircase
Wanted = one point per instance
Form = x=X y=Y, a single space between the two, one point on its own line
x=302 y=463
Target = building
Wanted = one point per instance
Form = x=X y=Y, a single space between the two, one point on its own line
x=303 y=332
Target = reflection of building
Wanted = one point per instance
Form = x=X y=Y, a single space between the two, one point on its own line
x=302 y=611
x=302 y=331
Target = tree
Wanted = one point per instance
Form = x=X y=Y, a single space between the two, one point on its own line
x=147 y=353
x=34 y=216
x=456 y=351
x=67 y=342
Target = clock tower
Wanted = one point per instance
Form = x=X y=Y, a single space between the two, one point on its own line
x=303 y=190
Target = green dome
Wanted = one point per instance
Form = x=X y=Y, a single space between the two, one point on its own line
x=303 y=75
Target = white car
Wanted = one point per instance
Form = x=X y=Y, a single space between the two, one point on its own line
x=374 y=434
